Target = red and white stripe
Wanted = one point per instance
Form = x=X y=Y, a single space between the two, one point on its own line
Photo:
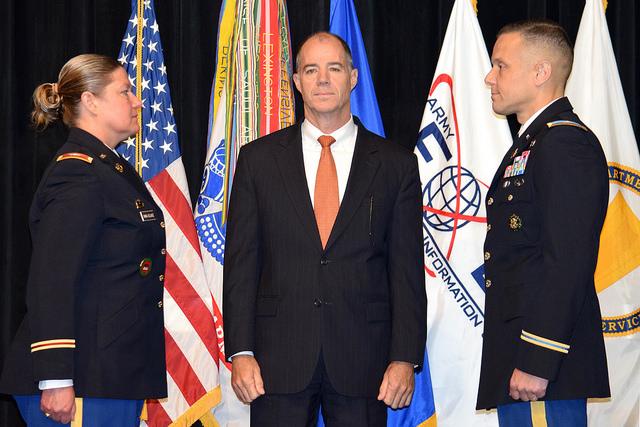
x=191 y=345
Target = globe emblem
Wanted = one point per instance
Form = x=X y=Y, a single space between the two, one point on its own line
x=209 y=225
x=439 y=198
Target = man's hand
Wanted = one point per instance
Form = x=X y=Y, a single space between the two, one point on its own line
x=397 y=385
x=59 y=404
x=526 y=387
x=246 y=379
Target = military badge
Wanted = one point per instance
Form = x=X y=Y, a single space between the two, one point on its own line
x=119 y=167
x=515 y=222
x=145 y=267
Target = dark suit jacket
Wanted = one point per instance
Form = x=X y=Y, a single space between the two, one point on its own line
x=85 y=284
x=541 y=307
x=360 y=302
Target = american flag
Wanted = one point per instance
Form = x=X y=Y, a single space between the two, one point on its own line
x=190 y=336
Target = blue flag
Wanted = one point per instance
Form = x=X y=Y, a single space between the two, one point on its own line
x=343 y=21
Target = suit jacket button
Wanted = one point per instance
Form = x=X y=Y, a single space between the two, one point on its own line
x=487 y=255
x=163 y=251
x=159 y=304
x=487 y=283
x=488 y=227
x=317 y=302
x=490 y=201
x=510 y=197
x=324 y=261
x=161 y=277
x=162 y=224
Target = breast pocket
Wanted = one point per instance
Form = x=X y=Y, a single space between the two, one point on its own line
x=514 y=211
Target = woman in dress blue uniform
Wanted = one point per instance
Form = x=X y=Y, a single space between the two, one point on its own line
x=91 y=346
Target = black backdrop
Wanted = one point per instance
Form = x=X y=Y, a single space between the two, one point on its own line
x=402 y=38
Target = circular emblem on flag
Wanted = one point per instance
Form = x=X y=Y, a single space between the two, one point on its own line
x=440 y=198
x=211 y=229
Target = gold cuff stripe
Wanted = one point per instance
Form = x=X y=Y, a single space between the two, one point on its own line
x=56 y=341
x=546 y=340
x=540 y=344
x=52 y=346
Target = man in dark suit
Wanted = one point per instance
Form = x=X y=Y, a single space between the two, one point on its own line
x=545 y=210
x=324 y=299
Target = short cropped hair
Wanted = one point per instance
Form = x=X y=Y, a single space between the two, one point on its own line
x=324 y=35
x=548 y=35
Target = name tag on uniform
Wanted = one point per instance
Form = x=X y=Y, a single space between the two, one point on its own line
x=149 y=215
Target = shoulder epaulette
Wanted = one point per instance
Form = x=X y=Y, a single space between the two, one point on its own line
x=77 y=156
x=567 y=123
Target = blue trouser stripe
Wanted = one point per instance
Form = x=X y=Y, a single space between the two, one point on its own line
x=559 y=413
x=96 y=412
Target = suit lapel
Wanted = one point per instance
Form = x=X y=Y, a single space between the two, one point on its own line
x=364 y=166
x=291 y=165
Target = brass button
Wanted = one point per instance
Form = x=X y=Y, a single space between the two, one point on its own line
x=488 y=227
x=159 y=304
x=162 y=224
x=487 y=283
x=487 y=255
x=490 y=201
x=161 y=277
x=163 y=251
x=510 y=197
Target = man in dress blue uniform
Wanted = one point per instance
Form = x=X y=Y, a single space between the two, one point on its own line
x=543 y=351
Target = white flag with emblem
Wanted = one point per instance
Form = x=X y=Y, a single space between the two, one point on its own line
x=595 y=91
x=460 y=145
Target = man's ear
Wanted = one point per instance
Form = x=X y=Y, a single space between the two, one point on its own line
x=543 y=72
x=88 y=101
x=354 y=77
x=296 y=81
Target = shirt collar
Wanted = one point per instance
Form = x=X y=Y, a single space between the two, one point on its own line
x=533 y=117
x=342 y=135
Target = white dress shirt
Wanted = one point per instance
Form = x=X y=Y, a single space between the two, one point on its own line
x=341 y=150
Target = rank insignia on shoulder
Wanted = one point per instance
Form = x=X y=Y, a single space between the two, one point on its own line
x=567 y=123
x=76 y=156
x=515 y=222
x=119 y=167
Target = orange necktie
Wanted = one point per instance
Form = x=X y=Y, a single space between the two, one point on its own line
x=325 y=198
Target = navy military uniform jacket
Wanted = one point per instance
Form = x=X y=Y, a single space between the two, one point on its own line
x=94 y=295
x=545 y=210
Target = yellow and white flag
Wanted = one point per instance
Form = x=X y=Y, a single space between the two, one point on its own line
x=460 y=145
x=595 y=91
